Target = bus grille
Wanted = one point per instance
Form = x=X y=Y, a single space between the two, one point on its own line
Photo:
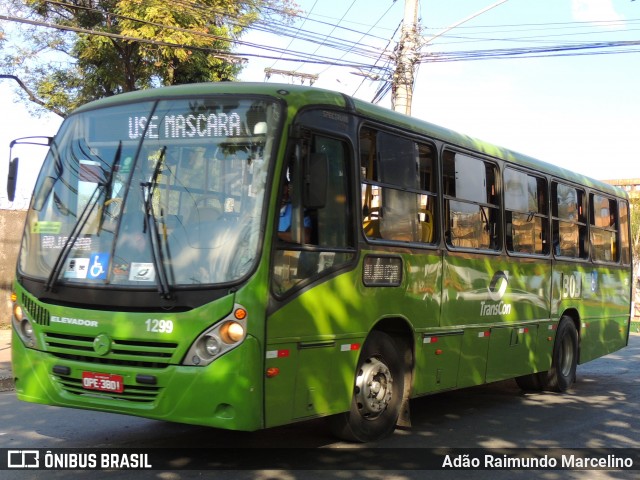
x=130 y=353
x=38 y=314
x=131 y=393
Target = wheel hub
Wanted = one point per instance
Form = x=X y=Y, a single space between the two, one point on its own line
x=374 y=388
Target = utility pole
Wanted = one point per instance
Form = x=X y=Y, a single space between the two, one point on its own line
x=406 y=59
x=407 y=54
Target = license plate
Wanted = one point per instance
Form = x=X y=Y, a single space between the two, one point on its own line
x=104 y=382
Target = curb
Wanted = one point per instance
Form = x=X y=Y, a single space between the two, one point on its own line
x=6 y=384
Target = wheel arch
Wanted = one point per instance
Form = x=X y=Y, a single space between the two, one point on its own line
x=401 y=330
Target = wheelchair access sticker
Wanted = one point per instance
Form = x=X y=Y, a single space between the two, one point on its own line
x=98 y=266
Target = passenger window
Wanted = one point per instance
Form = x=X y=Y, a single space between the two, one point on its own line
x=526 y=213
x=471 y=202
x=569 y=222
x=604 y=228
x=398 y=177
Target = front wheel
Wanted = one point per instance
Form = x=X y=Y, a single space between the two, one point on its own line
x=377 y=394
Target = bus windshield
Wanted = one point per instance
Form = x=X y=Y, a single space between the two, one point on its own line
x=167 y=193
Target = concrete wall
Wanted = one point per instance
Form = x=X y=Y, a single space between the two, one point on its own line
x=11 y=226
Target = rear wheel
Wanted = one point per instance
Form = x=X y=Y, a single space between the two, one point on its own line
x=564 y=361
x=562 y=373
x=377 y=394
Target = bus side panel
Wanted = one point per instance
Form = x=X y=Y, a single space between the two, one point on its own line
x=601 y=298
x=512 y=352
x=313 y=341
x=437 y=362
x=315 y=338
x=544 y=352
x=493 y=290
x=507 y=298
x=473 y=357
x=607 y=305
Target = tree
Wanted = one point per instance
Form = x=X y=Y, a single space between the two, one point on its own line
x=75 y=51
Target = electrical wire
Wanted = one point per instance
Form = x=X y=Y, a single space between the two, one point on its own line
x=539 y=39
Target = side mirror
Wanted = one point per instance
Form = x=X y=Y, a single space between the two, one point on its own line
x=12 y=179
x=316 y=174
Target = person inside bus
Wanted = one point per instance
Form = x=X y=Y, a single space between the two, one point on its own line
x=284 y=222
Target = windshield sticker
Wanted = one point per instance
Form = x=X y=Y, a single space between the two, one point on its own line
x=58 y=242
x=142 y=272
x=98 y=266
x=76 y=268
x=186 y=126
x=46 y=227
x=121 y=269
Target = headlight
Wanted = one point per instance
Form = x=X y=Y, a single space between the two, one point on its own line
x=212 y=346
x=225 y=335
x=18 y=312
x=22 y=325
x=26 y=329
x=232 y=332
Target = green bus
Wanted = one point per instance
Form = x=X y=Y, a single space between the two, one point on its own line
x=246 y=255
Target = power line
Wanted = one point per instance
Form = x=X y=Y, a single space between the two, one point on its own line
x=596 y=48
x=369 y=55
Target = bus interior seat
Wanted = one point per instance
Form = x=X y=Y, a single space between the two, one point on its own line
x=371 y=222
x=426 y=226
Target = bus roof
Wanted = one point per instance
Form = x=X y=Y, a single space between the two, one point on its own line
x=300 y=95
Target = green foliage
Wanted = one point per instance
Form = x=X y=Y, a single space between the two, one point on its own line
x=105 y=47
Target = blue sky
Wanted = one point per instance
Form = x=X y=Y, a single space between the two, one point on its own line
x=579 y=112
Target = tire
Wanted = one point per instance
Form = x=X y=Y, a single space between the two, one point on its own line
x=377 y=395
x=564 y=361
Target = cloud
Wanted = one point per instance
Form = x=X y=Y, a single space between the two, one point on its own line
x=594 y=11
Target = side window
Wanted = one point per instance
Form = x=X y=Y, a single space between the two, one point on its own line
x=311 y=241
x=569 y=221
x=603 y=228
x=625 y=252
x=526 y=213
x=471 y=202
x=398 y=178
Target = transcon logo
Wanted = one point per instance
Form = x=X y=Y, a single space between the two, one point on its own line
x=497 y=288
x=498 y=285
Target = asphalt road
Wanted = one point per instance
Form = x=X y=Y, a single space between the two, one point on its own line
x=602 y=411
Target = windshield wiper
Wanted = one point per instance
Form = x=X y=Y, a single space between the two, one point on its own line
x=81 y=222
x=151 y=226
x=71 y=239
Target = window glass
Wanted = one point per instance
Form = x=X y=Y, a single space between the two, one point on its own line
x=471 y=202
x=313 y=240
x=569 y=223
x=398 y=160
x=398 y=177
x=156 y=193
x=526 y=213
x=604 y=228
x=471 y=181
